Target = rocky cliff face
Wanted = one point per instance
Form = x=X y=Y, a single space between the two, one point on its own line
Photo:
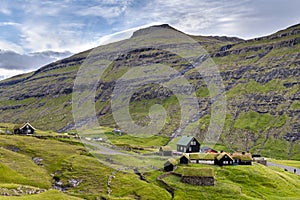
x=261 y=78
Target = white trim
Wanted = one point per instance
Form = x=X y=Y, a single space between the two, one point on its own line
x=27 y=124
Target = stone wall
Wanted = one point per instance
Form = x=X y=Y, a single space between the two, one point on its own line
x=201 y=181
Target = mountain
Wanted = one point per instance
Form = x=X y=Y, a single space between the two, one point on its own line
x=260 y=77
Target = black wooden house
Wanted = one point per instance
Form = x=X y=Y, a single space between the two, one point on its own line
x=223 y=159
x=24 y=129
x=188 y=144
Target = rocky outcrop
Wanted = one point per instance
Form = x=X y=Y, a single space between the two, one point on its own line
x=20 y=191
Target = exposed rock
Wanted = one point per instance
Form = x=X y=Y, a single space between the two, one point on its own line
x=37 y=160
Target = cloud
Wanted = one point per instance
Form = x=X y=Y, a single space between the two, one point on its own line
x=106 y=9
x=4 y=9
x=6 y=45
x=193 y=17
x=9 y=24
x=10 y=60
x=121 y=35
x=5 y=73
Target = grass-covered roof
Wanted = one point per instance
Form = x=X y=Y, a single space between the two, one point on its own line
x=243 y=157
x=203 y=156
x=198 y=172
x=166 y=148
x=221 y=155
x=172 y=161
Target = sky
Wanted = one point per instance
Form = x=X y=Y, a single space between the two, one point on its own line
x=34 y=33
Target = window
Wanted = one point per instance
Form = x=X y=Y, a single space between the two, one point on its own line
x=190 y=148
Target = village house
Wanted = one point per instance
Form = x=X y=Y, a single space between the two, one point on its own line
x=184 y=159
x=203 y=158
x=188 y=144
x=24 y=129
x=170 y=164
x=242 y=158
x=223 y=159
x=206 y=149
x=198 y=176
x=258 y=159
x=165 y=151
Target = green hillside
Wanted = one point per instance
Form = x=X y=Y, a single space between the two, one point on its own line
x=260 y=76
x=67 y=159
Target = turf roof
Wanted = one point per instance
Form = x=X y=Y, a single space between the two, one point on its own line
x=198 y=172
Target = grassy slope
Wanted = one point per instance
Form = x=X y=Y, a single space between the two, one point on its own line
x=48 y=195
x=241 y=182
x=70 y=160
x=66 y=161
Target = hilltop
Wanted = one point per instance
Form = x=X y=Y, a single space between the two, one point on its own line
x=261 y=79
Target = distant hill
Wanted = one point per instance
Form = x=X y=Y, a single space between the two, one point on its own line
x=261 y=78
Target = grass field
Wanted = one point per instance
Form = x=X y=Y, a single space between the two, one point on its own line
x=241 y=182
x=66 y=159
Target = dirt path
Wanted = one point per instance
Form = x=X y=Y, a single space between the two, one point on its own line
x=288 y=168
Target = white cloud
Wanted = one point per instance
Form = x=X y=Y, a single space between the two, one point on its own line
x=10 y=60
x=102 y=11
x=4 y=8
x=121 y=35
x=9 y=24
x=5 y=73
x=107 y=9
x=6 y=45
x=193 y=17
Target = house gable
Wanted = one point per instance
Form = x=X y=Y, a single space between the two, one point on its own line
x=26 y=128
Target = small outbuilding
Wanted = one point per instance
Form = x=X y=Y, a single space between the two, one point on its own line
x=188 y=144
x=165 y=151
x=198 y=176
x=24 y=129
x=170 y=164
x=184 y=159
x=206 y=149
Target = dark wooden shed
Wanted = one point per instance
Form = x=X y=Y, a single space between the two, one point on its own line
x=184 y=159
x=170 y=165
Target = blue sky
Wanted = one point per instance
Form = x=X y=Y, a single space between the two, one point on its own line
x=28 y=26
